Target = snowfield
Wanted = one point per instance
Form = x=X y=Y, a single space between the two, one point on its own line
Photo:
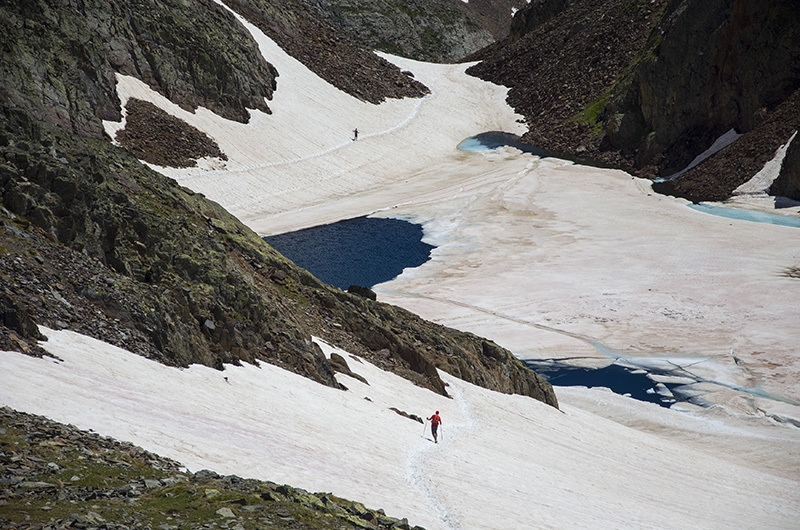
x=504 y=462
x=546 y=258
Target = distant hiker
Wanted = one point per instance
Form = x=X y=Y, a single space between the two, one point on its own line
x=435 y=422
x=355 y=134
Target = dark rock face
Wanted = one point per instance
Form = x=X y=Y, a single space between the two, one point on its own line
x=709 y=66
x=647 y=86
x=788 y=182
x=66 y=54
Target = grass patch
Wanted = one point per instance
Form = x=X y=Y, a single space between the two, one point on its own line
x=590 y=115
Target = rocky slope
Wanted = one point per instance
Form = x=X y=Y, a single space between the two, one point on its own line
x=338 y=58
x=59 y=59
x=648 y=85
x=426 y=30
x=435 y=31
x=93 y=240
x=55 y=476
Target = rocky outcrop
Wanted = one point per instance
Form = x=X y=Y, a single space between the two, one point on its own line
x=788 y=182
x=398 y=340
x=339 y=364
x=364 y=292
x=60 y=57
x=342 y=61
x=162 y=139
x=646 y=86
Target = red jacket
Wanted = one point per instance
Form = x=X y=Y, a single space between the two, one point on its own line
x=435 y=419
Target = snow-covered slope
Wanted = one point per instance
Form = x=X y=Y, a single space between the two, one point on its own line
x=504 y=462
x=302 y=157
x=568 y=257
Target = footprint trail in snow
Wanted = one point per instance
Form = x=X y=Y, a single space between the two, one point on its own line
x=420 y=464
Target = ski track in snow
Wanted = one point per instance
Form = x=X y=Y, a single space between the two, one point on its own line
x=420 y=454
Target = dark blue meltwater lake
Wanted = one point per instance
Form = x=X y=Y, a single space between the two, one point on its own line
x=363 y=251
x=619 y=379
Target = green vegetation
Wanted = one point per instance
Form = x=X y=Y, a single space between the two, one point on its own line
x=591 y=114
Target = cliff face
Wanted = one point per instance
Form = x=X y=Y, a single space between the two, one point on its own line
x=649 y=85
x=707 y=67
x=59 y=58
x=94 y=241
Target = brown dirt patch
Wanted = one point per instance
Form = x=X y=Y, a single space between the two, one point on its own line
x=159 y=138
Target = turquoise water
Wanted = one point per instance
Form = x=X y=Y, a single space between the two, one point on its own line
x=491 y=140
x=747 y=215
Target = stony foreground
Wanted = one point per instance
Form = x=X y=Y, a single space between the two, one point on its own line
x=57 y=476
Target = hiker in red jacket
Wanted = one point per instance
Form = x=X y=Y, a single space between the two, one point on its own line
x=435 y=422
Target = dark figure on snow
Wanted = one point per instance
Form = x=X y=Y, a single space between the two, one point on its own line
x=435 y=422
x=355 y=134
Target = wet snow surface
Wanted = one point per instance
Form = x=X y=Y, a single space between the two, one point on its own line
x=502 y=461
